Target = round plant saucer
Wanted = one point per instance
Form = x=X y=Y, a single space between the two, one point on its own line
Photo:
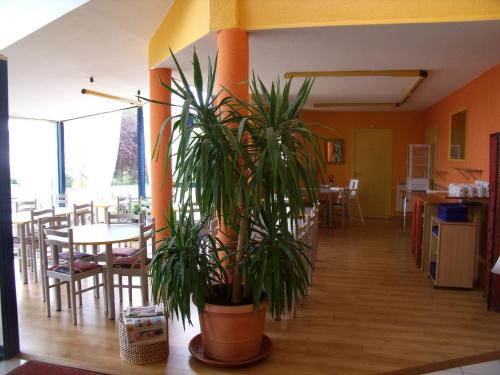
x=196 y=349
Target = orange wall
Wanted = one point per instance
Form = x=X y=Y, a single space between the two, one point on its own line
x=481 y=97
x=407 y=127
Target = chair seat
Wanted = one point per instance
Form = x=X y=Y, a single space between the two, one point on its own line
x=129 y=262
x=77 y=255
x=80 y=267
x=122 y=252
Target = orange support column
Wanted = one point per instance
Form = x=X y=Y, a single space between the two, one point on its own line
x=232 y=74
x=160 y=196
x=232 y=68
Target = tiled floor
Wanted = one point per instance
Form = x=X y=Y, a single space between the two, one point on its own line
x=11 y=364
x=485 y=368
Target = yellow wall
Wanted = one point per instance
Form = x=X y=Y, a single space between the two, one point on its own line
x=407 y=127
x=481 y=97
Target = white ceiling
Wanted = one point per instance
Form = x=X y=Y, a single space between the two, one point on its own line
x=22 y=17
x=452 y=53
x=106 y=39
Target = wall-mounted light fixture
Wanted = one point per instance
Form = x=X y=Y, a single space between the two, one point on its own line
x=112 y=97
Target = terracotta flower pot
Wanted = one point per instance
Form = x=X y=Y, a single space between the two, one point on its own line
x=232 y=333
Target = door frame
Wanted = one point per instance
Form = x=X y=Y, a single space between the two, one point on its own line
x=353 y=163
x=8 y=301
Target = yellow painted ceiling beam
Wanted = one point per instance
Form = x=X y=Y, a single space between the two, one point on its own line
x=185 y=22
x=274 y=14
x=358 y=73
x=189 y=20
x=356 y=104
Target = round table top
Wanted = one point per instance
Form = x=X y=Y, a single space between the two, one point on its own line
x=101 y=234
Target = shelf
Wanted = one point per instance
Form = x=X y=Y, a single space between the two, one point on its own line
x=472 y=173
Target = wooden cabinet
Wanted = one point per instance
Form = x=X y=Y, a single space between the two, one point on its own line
x=452 y=253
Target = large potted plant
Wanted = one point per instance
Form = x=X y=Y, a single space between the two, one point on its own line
x=251 y=163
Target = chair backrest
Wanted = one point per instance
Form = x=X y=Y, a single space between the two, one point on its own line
x=83 y=213
x=54 y=222
x=147 y=233
x=56 y=238
x=60 y=200
x=35 y=215
x=121 y=205
x=26 y=205
x=124 y=218
x=353 y=184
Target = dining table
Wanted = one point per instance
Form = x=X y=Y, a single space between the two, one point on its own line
x=104 y=205
x=22 y=220
x=107 y=235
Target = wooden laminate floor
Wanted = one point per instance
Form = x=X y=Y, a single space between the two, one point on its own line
x=369 y=311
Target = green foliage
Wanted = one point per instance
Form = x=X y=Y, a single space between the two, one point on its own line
x=249 y=161
x=185 y=264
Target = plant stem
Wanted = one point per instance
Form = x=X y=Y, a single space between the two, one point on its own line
x=240 y=253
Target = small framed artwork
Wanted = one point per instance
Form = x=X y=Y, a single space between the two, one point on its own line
x=335 y=151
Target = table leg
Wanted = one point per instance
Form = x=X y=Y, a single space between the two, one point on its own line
x=24 y=260
x=110 y=282
x=345 y=202
x=330 y=209
x=404 y=213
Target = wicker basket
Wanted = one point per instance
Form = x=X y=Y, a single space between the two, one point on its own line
x=142 y=354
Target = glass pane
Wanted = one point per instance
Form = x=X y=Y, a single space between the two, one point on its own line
x=33 y=160
x=125 y=175
x=91 y=149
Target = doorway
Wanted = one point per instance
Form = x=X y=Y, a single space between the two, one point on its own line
x=372 y=165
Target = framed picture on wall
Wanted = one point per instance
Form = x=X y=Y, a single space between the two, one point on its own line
x=334 y=151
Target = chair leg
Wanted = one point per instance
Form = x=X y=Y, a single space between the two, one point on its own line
x=46 y=292
x=68 y=295
x=120 y=287
x=73 y=301
x=360 y=210
x=35 y=267
x=349 y=209
x=130 y=290
x=80 y=294
x=96 y=278
x=144 y=290
x=105 y=290
x=44 y=298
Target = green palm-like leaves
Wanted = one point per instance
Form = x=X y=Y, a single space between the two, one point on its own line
x=252 y=162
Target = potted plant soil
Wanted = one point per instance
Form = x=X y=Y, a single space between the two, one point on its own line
x=251 y=162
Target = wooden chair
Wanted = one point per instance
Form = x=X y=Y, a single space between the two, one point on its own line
x=352 y=196
x=340 y=204
x=33 y=235
x=122 y=206
x=26 y=205
x=44 y=222
x=60 y=200
x=83 y=214
x=70 y=272
x=137 y=264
